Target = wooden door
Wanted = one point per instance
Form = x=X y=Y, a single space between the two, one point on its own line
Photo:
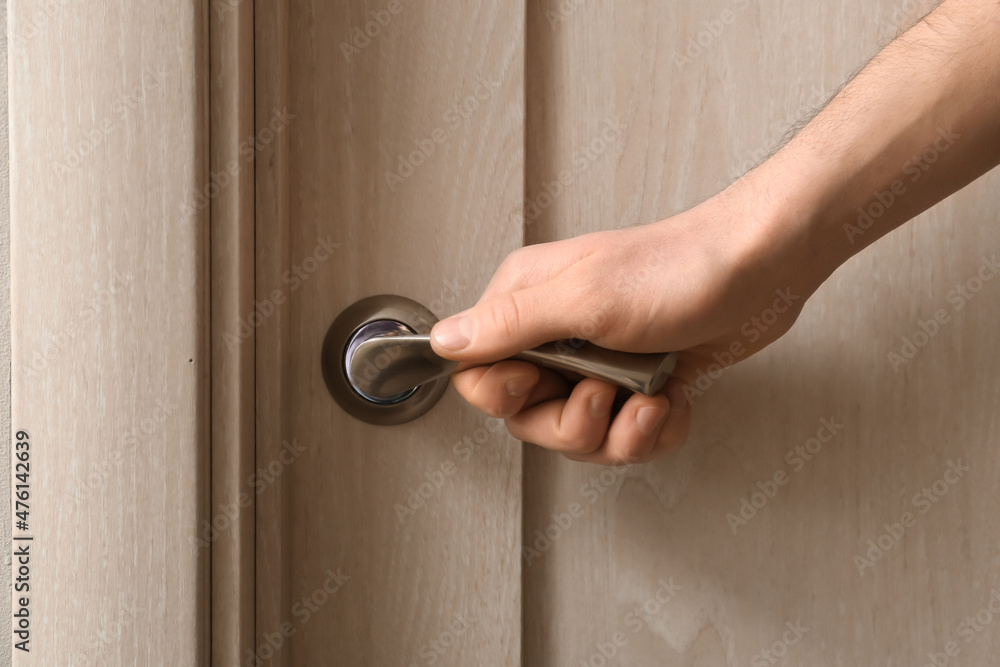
x=703 y=91
x=267 y=164
x=400 y=171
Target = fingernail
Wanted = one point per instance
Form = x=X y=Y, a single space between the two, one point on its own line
x=649 y=418
x=600 y=404
x=453 y=334
x=519 y=386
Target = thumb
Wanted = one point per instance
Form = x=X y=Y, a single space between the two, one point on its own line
x=501 y=325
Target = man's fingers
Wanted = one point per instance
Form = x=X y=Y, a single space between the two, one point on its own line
x=507 y=387
x=633 y=434
x=536 y=407
x=575 y=425
x=643 y=429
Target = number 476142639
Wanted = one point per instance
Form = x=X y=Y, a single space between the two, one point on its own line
x=22 y=488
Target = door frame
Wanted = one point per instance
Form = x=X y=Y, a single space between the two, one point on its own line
x=112 y=149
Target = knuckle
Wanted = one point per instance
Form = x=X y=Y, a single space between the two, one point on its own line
x=506 y=316
x=514 y=264
x=512 y=269
x=473 y=386
x=637 y=451
x=516 y=428
x=599 y=320
x=517 y=257
x=581 y=443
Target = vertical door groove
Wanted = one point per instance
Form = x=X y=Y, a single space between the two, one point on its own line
x=229 y=531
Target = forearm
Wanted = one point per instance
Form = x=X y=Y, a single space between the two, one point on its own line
x=921 y=121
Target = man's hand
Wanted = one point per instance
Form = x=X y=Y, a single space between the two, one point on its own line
x=685 y=284
x=921 y=121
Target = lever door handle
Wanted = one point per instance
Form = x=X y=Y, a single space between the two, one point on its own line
x=413 y=362
x=379 y=364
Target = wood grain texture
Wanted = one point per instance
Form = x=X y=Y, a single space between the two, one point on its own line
x=109 y=285
x=5 y=460
x=230 y=531
x=349 y=579
x=692 y=127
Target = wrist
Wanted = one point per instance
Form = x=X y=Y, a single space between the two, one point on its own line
x=781 y=223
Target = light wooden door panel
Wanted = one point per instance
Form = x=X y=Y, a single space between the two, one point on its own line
x=110 y=373
x=441 y=86
x=696 y=119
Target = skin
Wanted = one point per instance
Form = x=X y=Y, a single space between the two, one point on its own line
x=708 y=279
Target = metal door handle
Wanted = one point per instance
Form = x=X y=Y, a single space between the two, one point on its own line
x=379 y=365
x=414 y=362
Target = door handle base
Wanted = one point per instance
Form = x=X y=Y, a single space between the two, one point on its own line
x=372 y=317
